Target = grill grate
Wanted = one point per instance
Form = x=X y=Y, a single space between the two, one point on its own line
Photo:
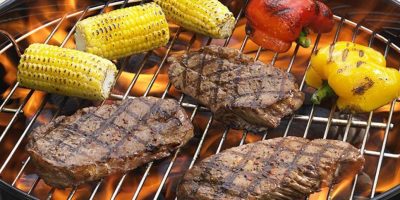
x=349 y=122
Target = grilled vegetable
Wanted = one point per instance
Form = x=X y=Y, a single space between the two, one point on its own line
x=208 y=17
x=66 y=72
x=123 y=32
x=275 y=24
x=356 y=74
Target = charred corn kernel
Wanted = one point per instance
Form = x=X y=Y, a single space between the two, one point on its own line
x=66 y=71
x=208 y=17
x=356 y=74
x=123 y=32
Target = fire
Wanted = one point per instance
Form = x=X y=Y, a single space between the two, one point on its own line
x=142 y=83
x=33 y=103
x=320 y=195
x=342 y=188
x=10 y=69
x=391 y=178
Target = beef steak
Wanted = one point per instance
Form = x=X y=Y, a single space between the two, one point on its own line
x=280 y=168
x=241 y=92
x=98 y=141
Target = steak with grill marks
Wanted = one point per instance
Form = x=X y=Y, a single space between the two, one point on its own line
x=241 y=92
x=280 y=168
x=98 y=141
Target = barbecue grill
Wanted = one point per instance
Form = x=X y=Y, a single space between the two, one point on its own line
x=373 y=133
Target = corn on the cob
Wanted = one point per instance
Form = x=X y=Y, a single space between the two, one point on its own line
x=66 y=72
x=123 y=32
x=208 y=17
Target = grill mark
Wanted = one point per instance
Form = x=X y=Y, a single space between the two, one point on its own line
x=89 y=137
x=298 y=154
x=257 y=177
x=93 y=137
x=155 y=106
x=184 y=74
x=363 y=87
x=200 y=74
x=219 y=68
x=345 y=54
x=228 y=180
x=326 y=146
x=61 y=124
x=266 y=166
x=282 y=85
x=359 y=63
x=110 y=122
x=361 y=53
x=72 y=128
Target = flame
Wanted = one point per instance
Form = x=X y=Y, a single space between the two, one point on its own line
x=10 y=69
x=342 y=187
x=33 y=103
x=320 y=195
x=72 y=4
x=142 y=83
x=390 y=178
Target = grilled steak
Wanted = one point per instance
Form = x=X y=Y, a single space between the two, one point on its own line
x=98 y=141
x=280 y=168
x=241 y=92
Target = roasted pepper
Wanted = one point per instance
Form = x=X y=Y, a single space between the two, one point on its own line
x=356 y=74
x=276 y=24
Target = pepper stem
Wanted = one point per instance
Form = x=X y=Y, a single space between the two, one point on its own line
x=324 y=92
x=303 y=40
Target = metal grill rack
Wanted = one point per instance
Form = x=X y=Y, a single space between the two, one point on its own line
x=348 y=121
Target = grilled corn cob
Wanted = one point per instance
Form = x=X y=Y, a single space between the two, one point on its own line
x=123 y=32
x=208 y=17
x=66 y=72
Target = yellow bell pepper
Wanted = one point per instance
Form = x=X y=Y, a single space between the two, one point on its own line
x=356 y=74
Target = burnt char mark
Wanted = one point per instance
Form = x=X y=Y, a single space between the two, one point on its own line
x=268 y=163
x=284 y=79
x=267 y=167
x=359 y=63
x=298 y=154
x=72 y=128
x=238 y=169
x=184 y=73
x=200 y=73
x=153 y=108
x=345 y=54
x=237 y=80
x=363 y=87
x=219 y=68
x=361 y=53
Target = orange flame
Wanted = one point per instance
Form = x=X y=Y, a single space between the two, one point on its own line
x=142 y=83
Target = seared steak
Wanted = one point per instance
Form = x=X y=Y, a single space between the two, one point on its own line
x=241 y=92
x=280 y=168
x=98 y=141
